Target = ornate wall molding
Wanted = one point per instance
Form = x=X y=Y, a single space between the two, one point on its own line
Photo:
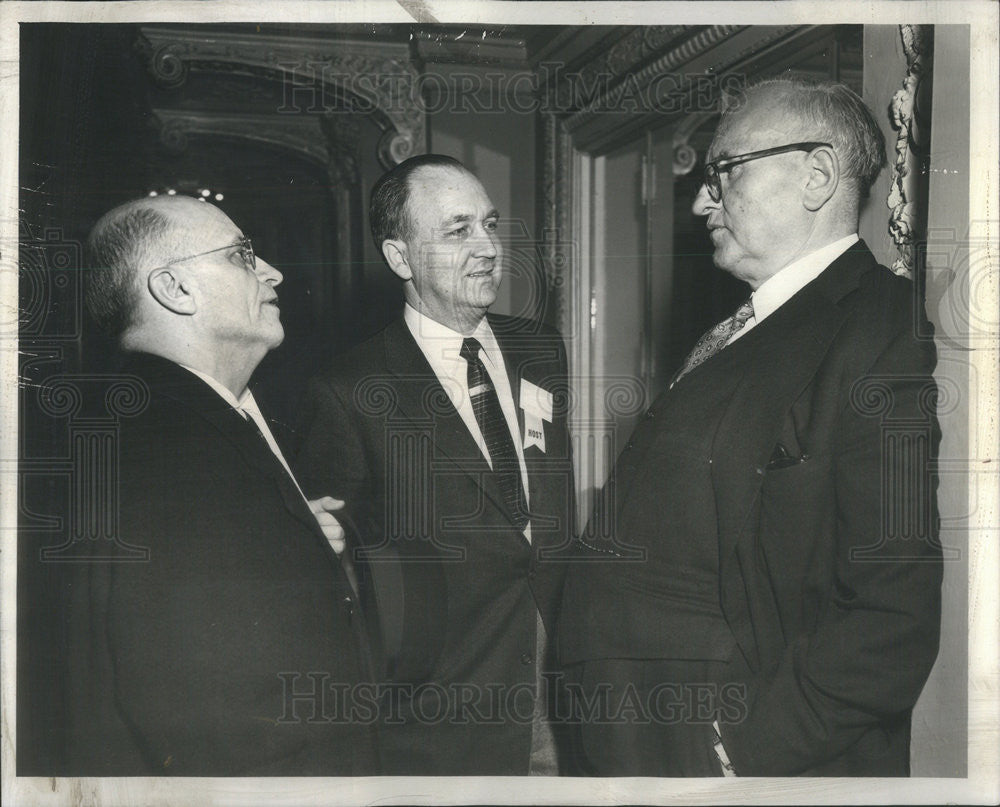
x=342 y=134
x=685 y=155
x=331 y=142
x=556 y=220
x=910 y=116
x=677 y=56
x=318 y=76
x=302 y=135
x=602 y=103
x=634 y=49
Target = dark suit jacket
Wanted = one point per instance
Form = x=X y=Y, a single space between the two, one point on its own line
x=457 y=585
x=829 y=566
x=186 y=663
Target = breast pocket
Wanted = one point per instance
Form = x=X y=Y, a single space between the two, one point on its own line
x=795 y=494
x=797 y=523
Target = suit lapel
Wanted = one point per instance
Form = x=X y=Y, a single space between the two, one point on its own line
x=518 y=357
x=246 y=437
x=530 y=357
x=511 y=352
x=173 y=381
x=423 y=400
x=800 y=333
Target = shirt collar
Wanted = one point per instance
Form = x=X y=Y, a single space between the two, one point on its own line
x=784 y=284
x=443 y=342
x=245 y=400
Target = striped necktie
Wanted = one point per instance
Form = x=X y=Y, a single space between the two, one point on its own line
x=496 y=434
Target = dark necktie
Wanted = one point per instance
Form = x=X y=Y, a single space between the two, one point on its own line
x=264 y=450
x=496 y=434
x=251 y=426
x=715 y=339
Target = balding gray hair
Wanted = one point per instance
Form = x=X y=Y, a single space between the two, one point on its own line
x=118 y=247
x=828 y=112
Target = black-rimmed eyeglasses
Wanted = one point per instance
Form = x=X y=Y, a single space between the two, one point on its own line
x=242 y=246
x=714 y=169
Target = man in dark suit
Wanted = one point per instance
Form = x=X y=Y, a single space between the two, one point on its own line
x=446 y=435
x=770 y=600
x=201 y=656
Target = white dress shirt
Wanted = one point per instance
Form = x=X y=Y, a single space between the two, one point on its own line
x=441 y=346
x=788 y=281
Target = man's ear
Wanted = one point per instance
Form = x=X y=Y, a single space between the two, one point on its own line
x=824 y=177
x=171 y=291
x=397 y=256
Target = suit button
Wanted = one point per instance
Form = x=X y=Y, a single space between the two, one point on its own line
x=628 y=446
x=650 y=414
x=532 y=574
x=526 y=659
x=845 y=593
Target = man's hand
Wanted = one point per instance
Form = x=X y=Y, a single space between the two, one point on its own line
x=322 y=509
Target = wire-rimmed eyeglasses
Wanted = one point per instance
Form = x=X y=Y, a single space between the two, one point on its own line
x=713 y=170
x=242 y=245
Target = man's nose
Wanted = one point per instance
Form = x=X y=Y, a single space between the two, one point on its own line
x=267 y=273
x=703 y=203
x=486 y=244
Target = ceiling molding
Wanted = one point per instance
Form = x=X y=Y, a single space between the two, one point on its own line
x=377 y=78
x=686 y=78
x=472 y=46
x=300 y=134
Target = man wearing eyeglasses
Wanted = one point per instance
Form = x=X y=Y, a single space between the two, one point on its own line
x=769 y=601
x=211 y=654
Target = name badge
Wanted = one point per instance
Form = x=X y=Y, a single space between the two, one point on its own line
x=536 y=404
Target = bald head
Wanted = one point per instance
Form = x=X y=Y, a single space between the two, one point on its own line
x=793 y=160
x=132 y=239
x=818 y=111
x=175 y=277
